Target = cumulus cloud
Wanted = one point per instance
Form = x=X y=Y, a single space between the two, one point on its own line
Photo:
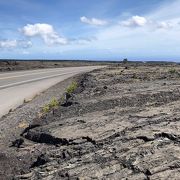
x=139 y=21
x=93 y=21
x=45 y=31
x=135 y=21
x=10 y=44
x=164 y=25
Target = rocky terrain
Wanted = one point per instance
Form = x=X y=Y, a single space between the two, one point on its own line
x=11 y=65
x=122 y=122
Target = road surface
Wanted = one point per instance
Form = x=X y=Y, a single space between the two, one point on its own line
x=15 y=87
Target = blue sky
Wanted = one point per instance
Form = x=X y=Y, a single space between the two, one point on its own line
x=96 y=29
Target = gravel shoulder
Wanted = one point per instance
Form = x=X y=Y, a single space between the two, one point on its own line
x=13 y=123
x=122 y=122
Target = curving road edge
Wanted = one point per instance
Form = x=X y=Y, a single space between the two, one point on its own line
x=16 y=87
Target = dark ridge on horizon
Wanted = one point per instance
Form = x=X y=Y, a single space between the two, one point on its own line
x=61 y=60
x=99 y=61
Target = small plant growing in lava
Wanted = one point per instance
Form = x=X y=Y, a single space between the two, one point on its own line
x=68 y=94
x=54 y=103
x=172 y=71
x=72 y=87
x=51 y=105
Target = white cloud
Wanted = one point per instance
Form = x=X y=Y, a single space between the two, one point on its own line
x=93 y=21
x=45 y=31
x=10 y=44
x=135 y=21
x=139 y=21
x=164 y=25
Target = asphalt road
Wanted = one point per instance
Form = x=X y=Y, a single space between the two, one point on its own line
x=15 y=87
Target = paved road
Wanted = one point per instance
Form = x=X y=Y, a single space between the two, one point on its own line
x=15 y=87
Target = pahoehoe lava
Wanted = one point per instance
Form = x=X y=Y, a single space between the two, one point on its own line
x=122 y=122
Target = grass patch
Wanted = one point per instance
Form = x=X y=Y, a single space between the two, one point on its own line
x=51 y=105
x=72 y=87
x=54 y=103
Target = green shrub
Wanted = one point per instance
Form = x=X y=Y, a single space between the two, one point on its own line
x=46 y=108
x=172 y=71
x=51 y=105
x=125 y=60
x=72 y=87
